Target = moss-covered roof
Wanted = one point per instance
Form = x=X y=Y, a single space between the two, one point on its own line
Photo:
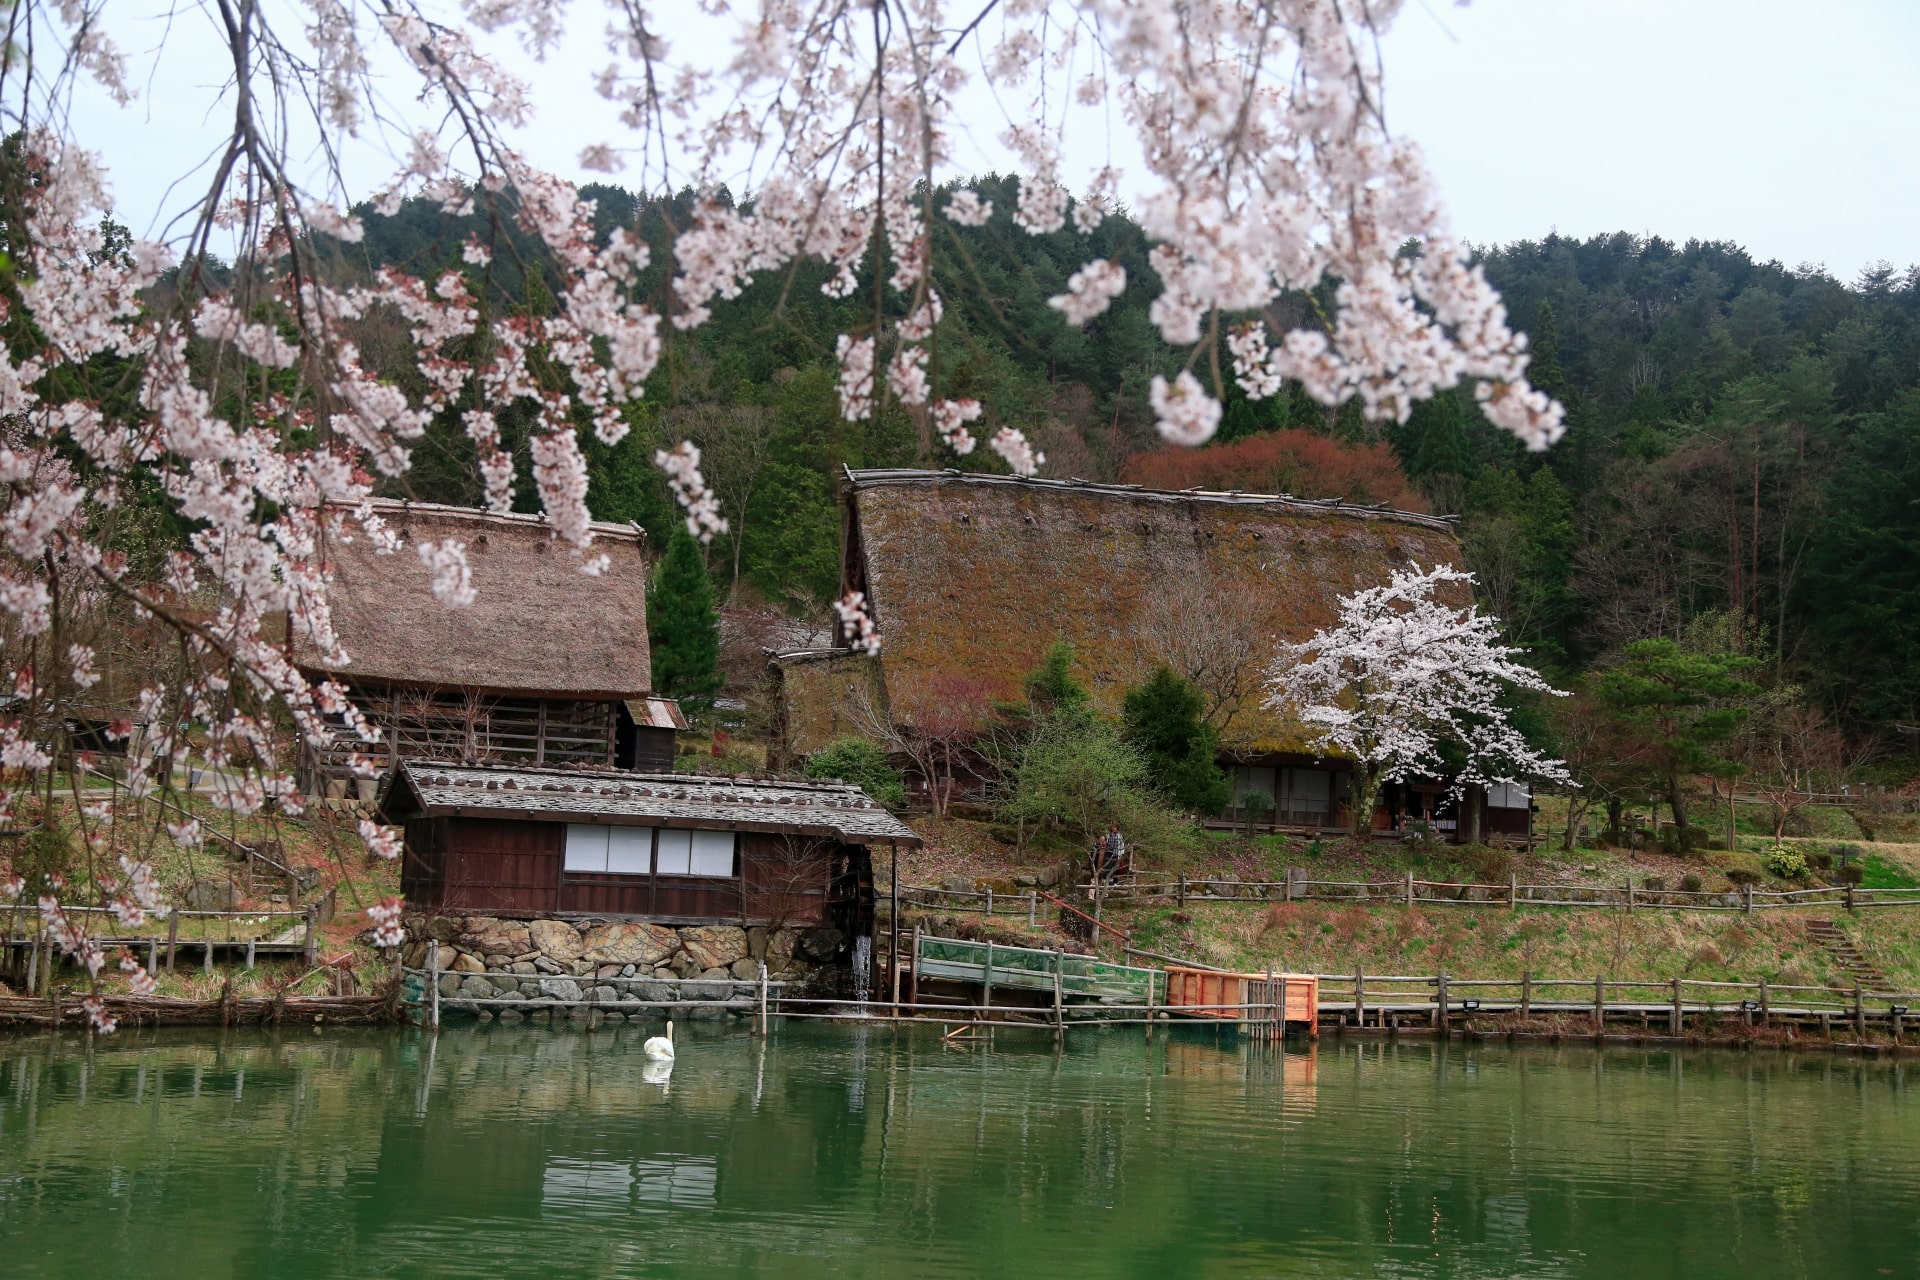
x=971 y=578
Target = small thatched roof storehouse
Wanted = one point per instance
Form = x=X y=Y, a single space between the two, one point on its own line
x=547 y=666
x=971 y=578
x=664 y=847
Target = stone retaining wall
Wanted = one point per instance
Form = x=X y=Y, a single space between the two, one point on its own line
x=589 y=950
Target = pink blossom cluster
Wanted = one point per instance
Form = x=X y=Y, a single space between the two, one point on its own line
x=856 y=623
x=682 y=465
x=1090 y=291
x=385 y=915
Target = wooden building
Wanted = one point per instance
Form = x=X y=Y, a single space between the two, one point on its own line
x=971 y=578
x=549 y=666
x=670 y=848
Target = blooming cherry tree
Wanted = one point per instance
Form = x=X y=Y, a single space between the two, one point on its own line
x=1403 y=676
x=144 y=376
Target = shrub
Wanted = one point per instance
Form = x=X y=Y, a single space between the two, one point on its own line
x=1853 y=873
x=1692 y=883
x=1820 y=860
x=1741 y=877
x=862 y=763
x=1655 y=883
x=1786 y=863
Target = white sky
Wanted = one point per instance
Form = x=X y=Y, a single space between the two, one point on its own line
x=1785 y=127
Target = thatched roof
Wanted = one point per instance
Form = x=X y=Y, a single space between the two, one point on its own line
x=838 y=810
x=972 y=577
x=540 y=627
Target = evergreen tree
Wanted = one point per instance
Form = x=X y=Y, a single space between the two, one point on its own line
x=1163 y=723
x=1682 y=705
x=683 y=627
x=1051 y=687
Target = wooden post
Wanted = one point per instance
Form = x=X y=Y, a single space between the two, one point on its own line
x=893 y=946
x=986 y=992
x=1287 y=893
x=1849 y=895
x=1059 y=1010
x=313 y=933
x=33 y=966
x=1513 y=890
x=206 y=955
x=1859 y=1010
x=173 y=936
x=1360 y=997
x=1896 y=1027
x=763 y=993
x=250 y=945
x=1441 y=1009
x=1677 y=1015
x=1409 y=888
x=1629 y=893
x=1526 y=993
x=153 y=954
x=989 y=899
x=1747 y=893
x=1826 y=1024
x=913 y=971
x=433 y=983
x=1599 y=1004
x=1270 y=1008
x=1766 y=1005
x=1183 y=890
x=1033 y=904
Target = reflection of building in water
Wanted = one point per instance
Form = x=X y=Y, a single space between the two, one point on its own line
x=574 y=1187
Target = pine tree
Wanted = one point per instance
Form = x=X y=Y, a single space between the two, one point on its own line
x=683 y=626
x=1163 y=723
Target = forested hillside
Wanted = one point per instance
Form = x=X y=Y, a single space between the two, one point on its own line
x=1743 y=448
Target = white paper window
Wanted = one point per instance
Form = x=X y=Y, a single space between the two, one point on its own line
x=629 y=850
x=676 y=853
x=586 y=848
x=1509 y=795
x=712 y=853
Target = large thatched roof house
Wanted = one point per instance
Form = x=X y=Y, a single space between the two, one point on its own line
x=547 y=667
x=971 y=578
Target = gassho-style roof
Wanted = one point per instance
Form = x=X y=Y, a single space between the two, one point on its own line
x=539 y=626
x=838 y=810
x=971 y=578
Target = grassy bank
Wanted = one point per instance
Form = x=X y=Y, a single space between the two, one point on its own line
x=1491 y=942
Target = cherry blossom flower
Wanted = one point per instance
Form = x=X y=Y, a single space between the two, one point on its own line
x=1090 y=291
x=447 y=566
x=385 y=915
x=1185 y=413
x=382 y=842
x=856 y=623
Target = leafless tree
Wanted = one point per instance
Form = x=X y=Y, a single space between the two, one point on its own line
x=1212 y=633
x=733 y=440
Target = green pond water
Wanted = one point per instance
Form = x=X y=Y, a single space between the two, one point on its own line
x=838 y=1150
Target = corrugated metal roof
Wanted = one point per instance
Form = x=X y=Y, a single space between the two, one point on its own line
x=838 y=809
x=656 y=713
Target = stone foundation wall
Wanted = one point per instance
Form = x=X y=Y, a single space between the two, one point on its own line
x=604 y=949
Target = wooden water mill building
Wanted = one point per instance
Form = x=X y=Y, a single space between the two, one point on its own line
x=548 y=667
x=972 y=577
x=670 y=848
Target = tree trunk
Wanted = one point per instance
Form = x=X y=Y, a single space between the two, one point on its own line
x=1677 y=802
x=1366 y=793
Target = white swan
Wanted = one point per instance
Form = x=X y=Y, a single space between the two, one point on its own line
x=660 y=1048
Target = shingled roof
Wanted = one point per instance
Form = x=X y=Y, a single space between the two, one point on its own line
x=540 y=626
x=972 y=577
x=838 y=810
